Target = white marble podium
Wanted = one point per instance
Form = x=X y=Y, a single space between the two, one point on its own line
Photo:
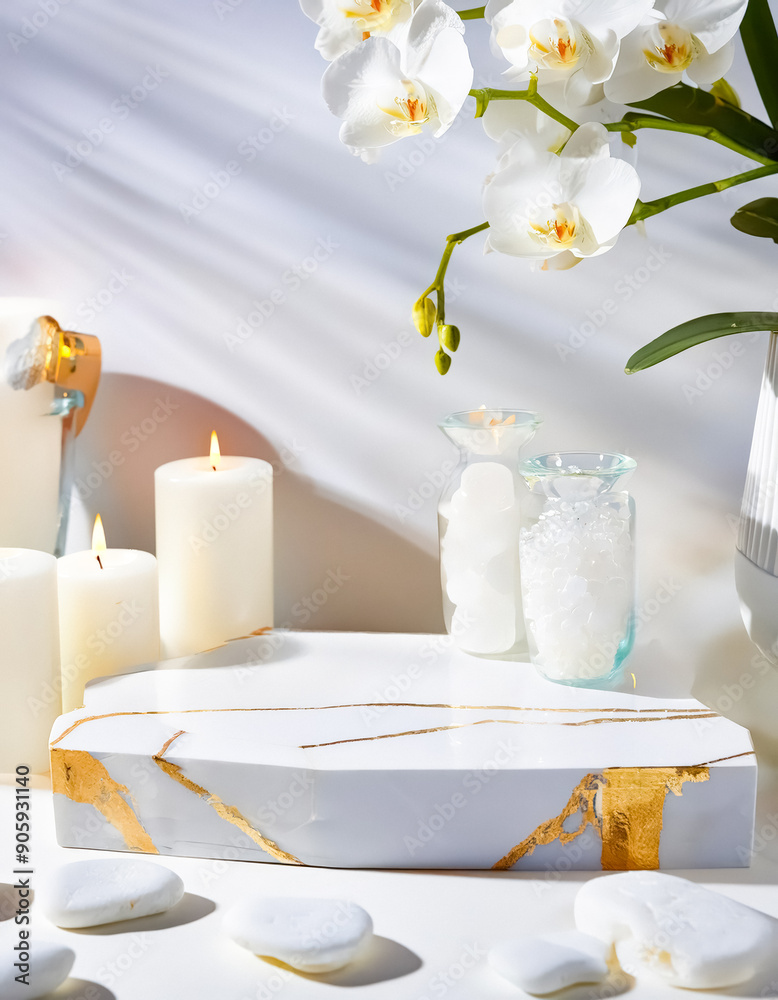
x=397 y=751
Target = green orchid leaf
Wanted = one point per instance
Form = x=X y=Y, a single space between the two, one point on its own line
x=758 y=218
x=697 y=331
x=760 y=40
x=697 y=107
x=725 y=92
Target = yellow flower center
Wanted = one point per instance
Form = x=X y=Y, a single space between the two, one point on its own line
x=372 y=15
x=554 y=44
x=559 y=232
x=671 y=48
x=409 y=111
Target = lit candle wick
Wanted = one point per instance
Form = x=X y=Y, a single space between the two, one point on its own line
x=98 y=540
x=215 y=453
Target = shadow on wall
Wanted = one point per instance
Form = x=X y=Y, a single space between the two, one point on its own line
x=335 y=568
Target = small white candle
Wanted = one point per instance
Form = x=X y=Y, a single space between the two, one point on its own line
x=108 y=614
x=29 y=484
x=29 y=665
x=215 y=550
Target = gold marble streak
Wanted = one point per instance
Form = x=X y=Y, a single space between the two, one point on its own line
x=696 y=712
x=632 y=813
x=83 y=778
x=507 y=722
x=225 y=812
x=580 y=801
x=734 y=756
x=628 y=818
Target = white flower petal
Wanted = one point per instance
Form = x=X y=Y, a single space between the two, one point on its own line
x=714 y=22
x=351 y=81
x=607 y=198
x=599 y=16
x=447 y=74
x=706 y=68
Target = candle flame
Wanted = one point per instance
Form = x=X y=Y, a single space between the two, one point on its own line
x=215 y=453
x=98 y=540
x=634 y=681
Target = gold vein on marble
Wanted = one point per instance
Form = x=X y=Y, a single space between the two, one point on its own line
x=83 y=778
x=625 y=805
x=695 y=713
x=581 y=801
x=226 y=812
x=506 y=722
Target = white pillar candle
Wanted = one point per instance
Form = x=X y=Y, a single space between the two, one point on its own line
x=108 y=614
x=29 y=485
x=215 y=550
x=29 y=664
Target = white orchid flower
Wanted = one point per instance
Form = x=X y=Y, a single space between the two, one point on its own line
x=687 y=36
x=539 y=204
x=576 y=41
x=384 y=92
x=343 y=24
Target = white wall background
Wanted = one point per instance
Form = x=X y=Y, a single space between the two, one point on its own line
x=358 y=450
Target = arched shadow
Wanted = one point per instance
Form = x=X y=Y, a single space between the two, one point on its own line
x=383 y=959
x=376 y=579
x=192 y=907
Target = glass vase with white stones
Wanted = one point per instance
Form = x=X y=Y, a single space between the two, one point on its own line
x=479 y=517
x=577 y=565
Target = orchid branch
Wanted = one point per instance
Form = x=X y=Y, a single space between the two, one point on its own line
x=632 y=122
x=485 y=95
x=644 y=210
x=427 y=314
x=473 y=14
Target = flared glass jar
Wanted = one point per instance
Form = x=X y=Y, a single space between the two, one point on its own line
x=479 y=517
x=578 y=565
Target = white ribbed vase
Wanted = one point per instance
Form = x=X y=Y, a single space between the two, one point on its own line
x=756 y=558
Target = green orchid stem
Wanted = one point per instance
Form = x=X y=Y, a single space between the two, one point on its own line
x=632 y=122
x=485 y=95
x=644 y=210
x=473 y=14
x=438 y=282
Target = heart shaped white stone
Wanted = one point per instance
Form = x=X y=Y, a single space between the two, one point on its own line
x=89 y=893
x=675 y=930
x=547 y=962
x=312 y=935
x=49 y=963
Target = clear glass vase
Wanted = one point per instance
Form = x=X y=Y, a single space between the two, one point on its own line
x=577 y=564
x=479 y=517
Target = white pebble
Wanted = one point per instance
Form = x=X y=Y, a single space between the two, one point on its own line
x=88 y=893
x=674 y=930
x=50 y=965
x=551 y=961
x=312 y=935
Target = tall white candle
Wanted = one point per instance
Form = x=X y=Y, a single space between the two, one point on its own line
x=215 y=550
x=108 y=614
x=29 y=485
x=29 y=657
